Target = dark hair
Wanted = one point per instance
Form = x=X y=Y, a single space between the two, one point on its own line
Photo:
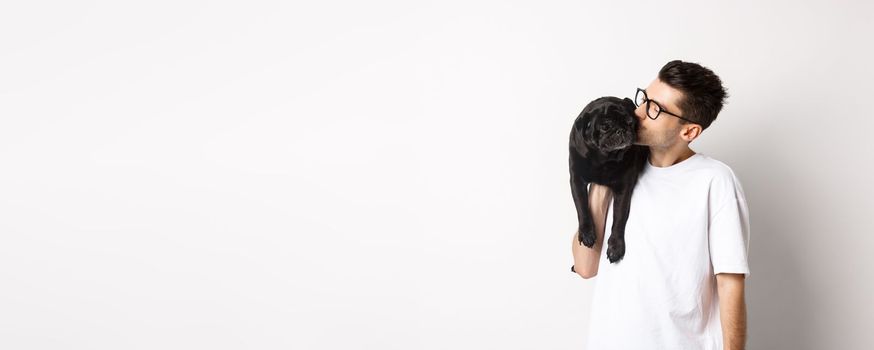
x=703 y=93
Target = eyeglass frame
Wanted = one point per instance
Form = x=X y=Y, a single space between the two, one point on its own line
x=647 y=100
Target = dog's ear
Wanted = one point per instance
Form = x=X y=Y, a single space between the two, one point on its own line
x=629 y=104
x=589 y=129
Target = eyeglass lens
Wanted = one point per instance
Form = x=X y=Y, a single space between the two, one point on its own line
x=652 y=108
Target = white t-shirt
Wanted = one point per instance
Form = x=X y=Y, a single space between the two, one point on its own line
x=688 y=222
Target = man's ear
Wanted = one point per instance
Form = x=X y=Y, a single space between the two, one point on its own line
x=690 y=132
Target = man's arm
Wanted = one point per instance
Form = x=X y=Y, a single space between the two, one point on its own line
x=732 y=310
x=585 y=258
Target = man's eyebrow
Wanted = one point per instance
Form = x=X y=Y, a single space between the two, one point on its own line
x=660 y=104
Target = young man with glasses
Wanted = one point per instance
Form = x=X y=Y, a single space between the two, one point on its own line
x=681 y=282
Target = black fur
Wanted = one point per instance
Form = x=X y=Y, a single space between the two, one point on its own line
x=602 y=151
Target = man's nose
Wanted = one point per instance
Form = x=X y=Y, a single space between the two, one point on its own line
x=640 y=112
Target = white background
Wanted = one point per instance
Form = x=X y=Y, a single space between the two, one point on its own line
x=393 y=175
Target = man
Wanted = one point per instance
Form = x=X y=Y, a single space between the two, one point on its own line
x=681 y=282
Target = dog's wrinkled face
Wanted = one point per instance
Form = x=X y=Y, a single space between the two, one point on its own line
x=610 y=124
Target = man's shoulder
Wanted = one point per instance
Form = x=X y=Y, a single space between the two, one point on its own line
x=722 y=178
x=717 y=168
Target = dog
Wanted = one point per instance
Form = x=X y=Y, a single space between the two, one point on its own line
x=602 y=151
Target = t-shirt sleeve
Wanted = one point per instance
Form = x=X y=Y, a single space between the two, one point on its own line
x=729 y=227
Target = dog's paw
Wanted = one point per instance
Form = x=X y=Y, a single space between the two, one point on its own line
x=587 y=237
x=615 y=249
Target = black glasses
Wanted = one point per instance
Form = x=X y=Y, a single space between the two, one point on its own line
x=653 y=108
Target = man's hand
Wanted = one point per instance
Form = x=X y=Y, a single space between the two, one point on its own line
x=732 y=310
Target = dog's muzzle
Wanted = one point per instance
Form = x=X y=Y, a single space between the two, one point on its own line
x=618 y=140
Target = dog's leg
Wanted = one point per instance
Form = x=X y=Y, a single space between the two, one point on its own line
x=622 y=203
x=580 y=193
x=621 y=209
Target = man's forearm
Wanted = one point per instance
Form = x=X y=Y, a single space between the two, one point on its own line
x=585 y=258
x=733 y=313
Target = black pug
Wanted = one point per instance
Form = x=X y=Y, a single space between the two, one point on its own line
x=602 y=151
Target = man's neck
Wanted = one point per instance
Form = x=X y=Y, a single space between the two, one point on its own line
x=662 y=158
